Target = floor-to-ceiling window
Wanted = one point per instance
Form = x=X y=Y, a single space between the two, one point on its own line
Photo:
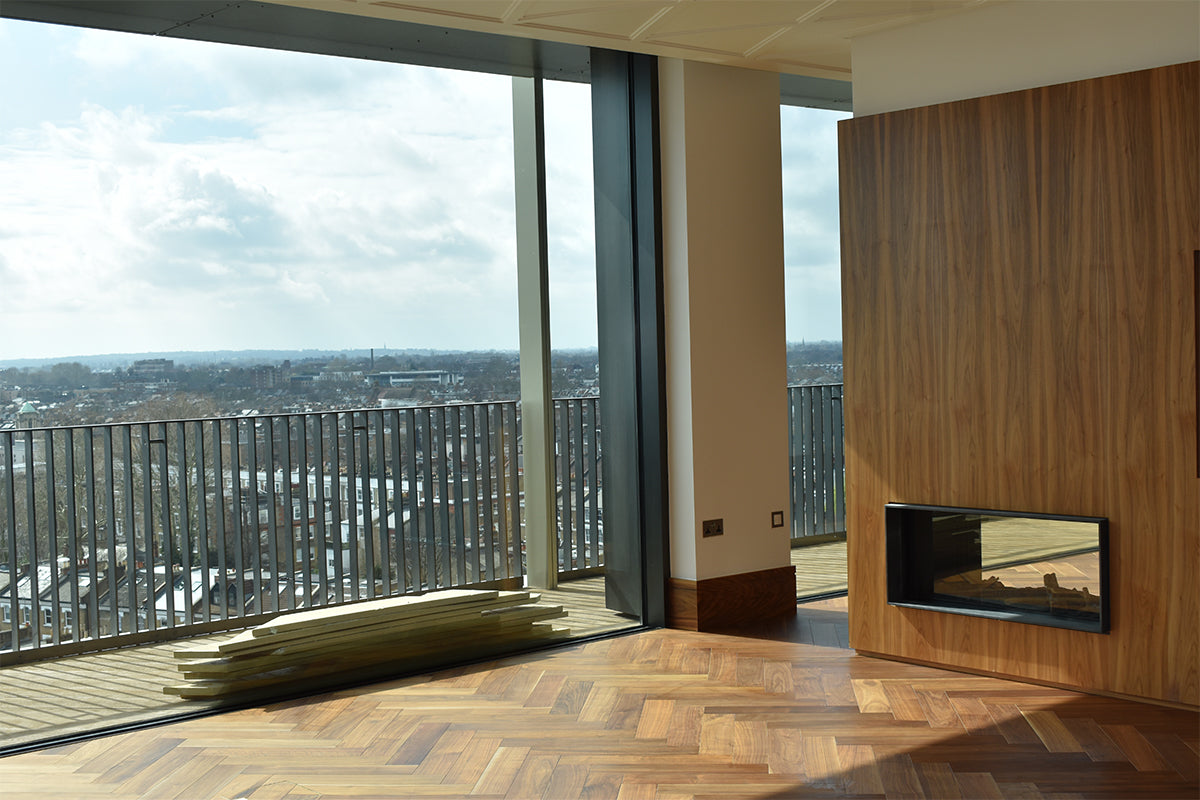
x=261 y=323
x=812 y=270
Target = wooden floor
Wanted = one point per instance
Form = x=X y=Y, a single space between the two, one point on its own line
x=79 y=694
x=660 y=714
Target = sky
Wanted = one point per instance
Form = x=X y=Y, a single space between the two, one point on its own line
x=163 y=194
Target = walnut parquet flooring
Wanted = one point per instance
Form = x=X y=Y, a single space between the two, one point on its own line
x=662 y=715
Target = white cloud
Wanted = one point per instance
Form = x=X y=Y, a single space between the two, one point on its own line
x=270 y=200
x=812 y=265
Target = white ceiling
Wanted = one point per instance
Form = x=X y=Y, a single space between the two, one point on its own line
x=802 y=37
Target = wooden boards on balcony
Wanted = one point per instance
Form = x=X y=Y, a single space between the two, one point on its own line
x=306 y=649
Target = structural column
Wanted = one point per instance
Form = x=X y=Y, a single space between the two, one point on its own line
x=726 y=352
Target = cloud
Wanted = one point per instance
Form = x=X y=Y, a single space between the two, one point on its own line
x=812 y=263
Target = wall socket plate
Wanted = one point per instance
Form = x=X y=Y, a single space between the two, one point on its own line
x=776 y=519
x=713 y=527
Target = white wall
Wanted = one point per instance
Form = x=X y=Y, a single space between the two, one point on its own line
x=726 y=355
x=1019 y=45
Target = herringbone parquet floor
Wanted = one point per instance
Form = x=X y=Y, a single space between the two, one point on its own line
x=660 y=714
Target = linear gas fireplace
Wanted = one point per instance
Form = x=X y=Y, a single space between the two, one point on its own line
x=1034 y=568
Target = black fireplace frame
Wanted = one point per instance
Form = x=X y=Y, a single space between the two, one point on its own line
x=911 y=566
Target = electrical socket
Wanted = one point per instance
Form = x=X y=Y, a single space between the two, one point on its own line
x=713 y=527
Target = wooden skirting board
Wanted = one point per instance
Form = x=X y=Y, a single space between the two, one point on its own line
x=715 y=604
x=305 y=648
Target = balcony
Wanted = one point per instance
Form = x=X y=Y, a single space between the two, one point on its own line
x=128 y=533
x=163 y=531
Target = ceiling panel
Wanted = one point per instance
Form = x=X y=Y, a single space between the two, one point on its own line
x=802 y=37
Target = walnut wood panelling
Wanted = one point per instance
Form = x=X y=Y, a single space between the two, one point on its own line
x=719 y=603
x=1020 y=334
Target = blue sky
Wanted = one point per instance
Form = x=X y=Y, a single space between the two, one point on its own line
x=175 y=195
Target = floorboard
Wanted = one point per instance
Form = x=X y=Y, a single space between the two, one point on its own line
x=667 y=715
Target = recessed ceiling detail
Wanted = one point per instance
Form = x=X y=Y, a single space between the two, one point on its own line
x=803 y=37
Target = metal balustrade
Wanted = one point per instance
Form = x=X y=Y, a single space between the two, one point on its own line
x=136 y=531
x=122 y=533
x=818 y=461
x=577 y=478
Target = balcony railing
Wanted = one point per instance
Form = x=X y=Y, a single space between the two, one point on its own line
x=121 y=533
x=818 y=460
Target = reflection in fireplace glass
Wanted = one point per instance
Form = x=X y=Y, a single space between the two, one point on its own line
x=1016 y=571
x=1022 y=567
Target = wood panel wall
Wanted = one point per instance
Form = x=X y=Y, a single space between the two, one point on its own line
x=1020 y=334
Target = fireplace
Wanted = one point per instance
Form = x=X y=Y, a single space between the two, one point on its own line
x=1040 y=569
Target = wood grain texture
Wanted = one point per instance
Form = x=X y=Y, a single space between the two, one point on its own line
x=1019 y=334
x=660 y=714
x=720 y=603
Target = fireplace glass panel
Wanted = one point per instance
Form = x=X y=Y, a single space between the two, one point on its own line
x=1030 y=568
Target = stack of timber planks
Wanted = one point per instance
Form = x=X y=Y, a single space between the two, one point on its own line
x=308 y=649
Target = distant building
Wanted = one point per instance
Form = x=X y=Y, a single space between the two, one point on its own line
x=418 y=377
x=152 y=367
